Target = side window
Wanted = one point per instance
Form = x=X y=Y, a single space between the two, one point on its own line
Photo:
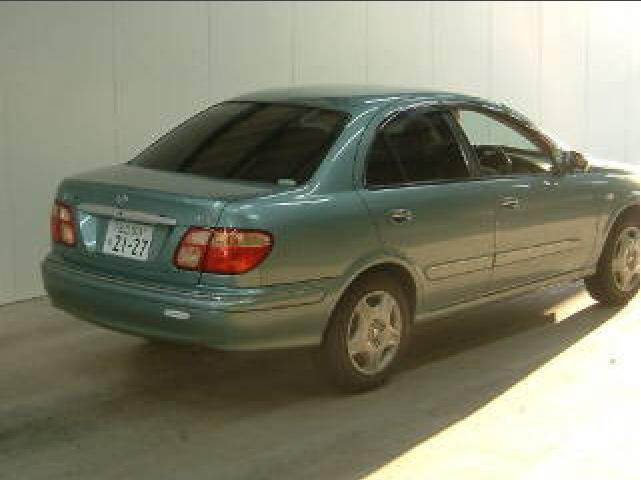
x=501 y=148
x=414 y=147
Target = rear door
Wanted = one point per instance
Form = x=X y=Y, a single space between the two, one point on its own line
x=418 y=187
x=545 y=221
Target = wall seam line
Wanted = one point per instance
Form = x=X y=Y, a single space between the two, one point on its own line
x=586 y=90
x=292 y=46
x=539 y=59
x=490 y=49
x=432 y=46
x=426 y=64
x=13 y=260
x=115 y=87
x=366 y=42
x=209 y=66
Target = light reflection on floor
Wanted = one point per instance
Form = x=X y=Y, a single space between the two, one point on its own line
x=577 y=417
x=569 y=306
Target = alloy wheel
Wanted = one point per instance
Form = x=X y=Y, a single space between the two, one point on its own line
x=625 y=261
x=374 y=332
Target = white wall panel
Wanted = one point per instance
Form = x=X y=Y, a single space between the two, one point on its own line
x=613 y=85
x=161 y=67
x=59 y=112
x=329 y=42
x=251 y=47
x=515 y=71
x=6 y=211
x=606 y=73
x=399 y=49
x=462 y=46
x=632 y=97
x=563 y=70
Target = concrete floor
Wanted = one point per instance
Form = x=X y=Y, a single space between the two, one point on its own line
x=544 y=386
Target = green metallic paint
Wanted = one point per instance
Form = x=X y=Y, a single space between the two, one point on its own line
x=227 y=318
x=553 y=228
x=457 y=250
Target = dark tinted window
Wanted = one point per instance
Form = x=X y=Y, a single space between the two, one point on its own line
x=248 y=141
x=414 y=147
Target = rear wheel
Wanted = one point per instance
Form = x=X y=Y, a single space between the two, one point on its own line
x=367 y=333
x=617 y=278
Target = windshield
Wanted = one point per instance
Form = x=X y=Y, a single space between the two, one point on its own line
x=261 y=142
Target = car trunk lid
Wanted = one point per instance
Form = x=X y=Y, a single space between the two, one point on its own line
x=165 y=204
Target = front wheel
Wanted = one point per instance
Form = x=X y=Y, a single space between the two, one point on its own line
x=617 y=278
x=367 y=333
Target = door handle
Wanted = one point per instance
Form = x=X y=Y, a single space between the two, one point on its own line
x=510 y=202
x=401 y=215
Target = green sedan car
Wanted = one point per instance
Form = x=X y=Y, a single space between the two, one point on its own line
x=338 y=218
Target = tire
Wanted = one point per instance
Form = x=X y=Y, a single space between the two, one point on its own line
x=362 y=344
x=608 y=285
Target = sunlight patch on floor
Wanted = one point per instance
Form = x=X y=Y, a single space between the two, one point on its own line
x=575 y=417
x=569 y=306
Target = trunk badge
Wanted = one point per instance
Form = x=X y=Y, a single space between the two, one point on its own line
x=121 y=199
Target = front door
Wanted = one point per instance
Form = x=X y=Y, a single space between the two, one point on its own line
x=545 y=224
x=427 y=207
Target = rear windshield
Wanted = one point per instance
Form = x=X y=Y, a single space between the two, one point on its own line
x=259 y=142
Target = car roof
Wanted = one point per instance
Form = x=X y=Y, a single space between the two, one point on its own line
x=353 y=97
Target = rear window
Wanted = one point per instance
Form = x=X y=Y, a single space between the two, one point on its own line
x=259 y=142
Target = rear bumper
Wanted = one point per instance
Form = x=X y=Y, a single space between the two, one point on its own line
x=226 y=318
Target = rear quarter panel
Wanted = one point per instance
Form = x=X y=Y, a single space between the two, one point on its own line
x=316 y=236
x=321 y=230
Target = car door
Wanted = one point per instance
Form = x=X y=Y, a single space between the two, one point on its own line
x=545 y=222
x=418 y=187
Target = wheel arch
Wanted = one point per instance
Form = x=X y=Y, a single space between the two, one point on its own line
x=621 y=212
x=629 y=208
x=400 y=270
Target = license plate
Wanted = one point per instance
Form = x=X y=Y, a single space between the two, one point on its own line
x=129 y=240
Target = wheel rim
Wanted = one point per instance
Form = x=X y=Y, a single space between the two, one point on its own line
x=625 y=260
x=374 y=332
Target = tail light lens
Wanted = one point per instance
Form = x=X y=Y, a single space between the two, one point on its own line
x=222 y=250
x=192 y=249
x=62 y=229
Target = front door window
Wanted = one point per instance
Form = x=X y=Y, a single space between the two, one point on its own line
x=501 y=148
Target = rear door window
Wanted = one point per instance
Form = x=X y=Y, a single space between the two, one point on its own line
x=414 y=147
x=258 y=142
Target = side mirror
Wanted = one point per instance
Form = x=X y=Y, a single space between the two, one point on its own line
x=575 y=162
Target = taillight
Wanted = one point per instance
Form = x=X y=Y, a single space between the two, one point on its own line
x=192 y=249
x=222 y=250
x=62 y=229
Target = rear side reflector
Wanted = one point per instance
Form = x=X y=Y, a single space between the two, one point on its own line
x=62 y=229
x=228 y=251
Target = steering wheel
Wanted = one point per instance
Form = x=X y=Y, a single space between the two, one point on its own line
x=493 y=158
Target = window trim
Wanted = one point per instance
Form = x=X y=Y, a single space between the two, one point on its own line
x=518 y=126
x=420 y=183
